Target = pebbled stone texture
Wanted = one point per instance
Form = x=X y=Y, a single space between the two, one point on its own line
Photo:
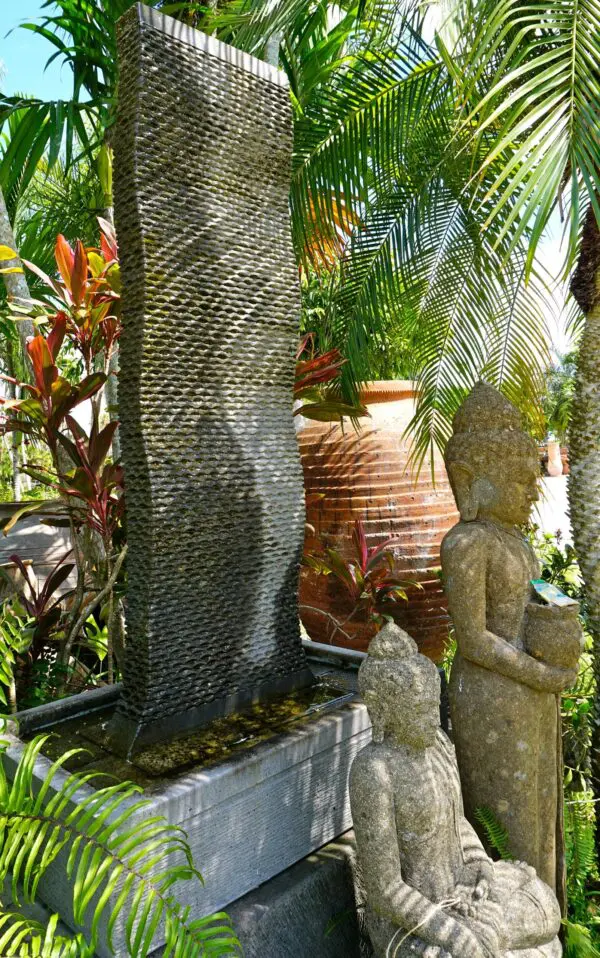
x=214 y=491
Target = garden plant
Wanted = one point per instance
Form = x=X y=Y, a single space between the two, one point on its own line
x=430 y=156
x=79 y=321
x=116 y=867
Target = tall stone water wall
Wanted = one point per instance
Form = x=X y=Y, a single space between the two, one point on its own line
x=210 y=299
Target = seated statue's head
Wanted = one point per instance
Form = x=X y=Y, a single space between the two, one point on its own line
x=401 y=689
x=492 y=463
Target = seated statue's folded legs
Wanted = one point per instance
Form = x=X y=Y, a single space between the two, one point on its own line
x=529 y=909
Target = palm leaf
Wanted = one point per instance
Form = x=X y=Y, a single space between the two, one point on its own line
x=116 y=862
x=530 y=80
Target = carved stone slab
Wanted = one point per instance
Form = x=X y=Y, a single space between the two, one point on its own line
x=210 y=296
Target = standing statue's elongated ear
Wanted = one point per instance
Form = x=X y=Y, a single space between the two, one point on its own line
x=462 y=480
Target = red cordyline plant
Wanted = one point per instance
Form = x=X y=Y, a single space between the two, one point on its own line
x=317 y=384
x=88 y=294
x=85 y=319
x=42 y=602
x=41 y=413
x=368 y=578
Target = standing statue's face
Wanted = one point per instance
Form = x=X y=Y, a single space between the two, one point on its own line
x=510 y=501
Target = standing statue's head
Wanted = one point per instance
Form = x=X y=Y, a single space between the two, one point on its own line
x=492 y=463
x=401 y=689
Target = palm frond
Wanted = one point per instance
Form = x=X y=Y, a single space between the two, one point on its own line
x=116 y=862
x=578 y=941
x=531 y=86
x=580 y=849
x=23 y=937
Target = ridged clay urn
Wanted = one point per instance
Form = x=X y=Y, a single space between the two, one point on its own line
x=365 y=474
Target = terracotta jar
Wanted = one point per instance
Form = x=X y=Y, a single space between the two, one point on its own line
x=555 y=466
x=365 y=475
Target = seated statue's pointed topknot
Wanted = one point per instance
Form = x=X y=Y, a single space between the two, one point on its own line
x=486 y=409
x=392 y=643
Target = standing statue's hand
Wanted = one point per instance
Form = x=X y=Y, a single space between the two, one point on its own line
x=557 y=679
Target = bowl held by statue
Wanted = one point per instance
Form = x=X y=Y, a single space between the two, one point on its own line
x=553 y=635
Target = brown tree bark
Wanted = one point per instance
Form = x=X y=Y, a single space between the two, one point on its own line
x=16 y=284
x=584 y=453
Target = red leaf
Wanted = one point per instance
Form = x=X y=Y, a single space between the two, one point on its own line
x=24 y=572
x=44 y=370
x=65 y=260
x=76 y=428
x=100 y=445
x=57 y=334
x=360 y=543
x=45 y=278
x=108 y=240
x=375 y=554
x=308 y=338
x=89 y=386
x=79 y=273
x=54 y=581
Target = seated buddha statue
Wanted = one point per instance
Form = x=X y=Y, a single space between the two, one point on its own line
x=431 y=889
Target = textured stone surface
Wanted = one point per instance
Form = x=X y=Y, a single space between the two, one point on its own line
x=210 y=300
x=430 y=887
x=503 y=701
x=312 y=909
x=246 y=819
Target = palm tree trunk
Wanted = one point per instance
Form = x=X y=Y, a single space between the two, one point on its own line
x=12 y=393
x=16 y=284
x=584 y=453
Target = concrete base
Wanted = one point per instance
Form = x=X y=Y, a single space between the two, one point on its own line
x=249 y=818
x=312 y=910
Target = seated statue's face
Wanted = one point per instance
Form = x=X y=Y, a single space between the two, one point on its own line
x=414 y=718
x=509 y=499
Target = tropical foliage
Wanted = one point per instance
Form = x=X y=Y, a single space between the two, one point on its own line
x=559 y=394
x=120 y=866
x=78 y=327
x=382 y=196
x=317 y=390
x=383 y=185
x=368 y=579
x=84 y=37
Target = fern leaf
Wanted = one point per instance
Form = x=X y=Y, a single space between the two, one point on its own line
x=116 y=865
x=578 y=941
x=495 y=832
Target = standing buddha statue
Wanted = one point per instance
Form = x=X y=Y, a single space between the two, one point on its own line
x=514 y=656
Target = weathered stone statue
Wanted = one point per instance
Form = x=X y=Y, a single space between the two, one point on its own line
x=514 y=655
x=431 y=889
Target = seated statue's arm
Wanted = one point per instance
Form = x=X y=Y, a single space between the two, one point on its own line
x=464 y=561
x=374 y=818
x=473 y=850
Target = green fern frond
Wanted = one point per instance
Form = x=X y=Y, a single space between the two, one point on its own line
x=15 y=636
x=495 y=832
x=578 y=941
x=580 y=846
x=116 y=863
x=25 y=938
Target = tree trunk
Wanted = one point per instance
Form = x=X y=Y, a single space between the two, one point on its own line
x=12 y=393
x=584 y=455
x=16 y=284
